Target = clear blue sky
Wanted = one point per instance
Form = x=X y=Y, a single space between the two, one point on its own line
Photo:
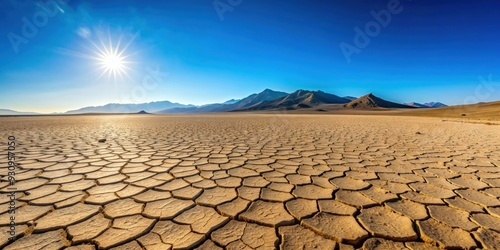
x=429 y=51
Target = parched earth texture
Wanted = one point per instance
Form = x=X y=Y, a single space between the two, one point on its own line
x=251 y=181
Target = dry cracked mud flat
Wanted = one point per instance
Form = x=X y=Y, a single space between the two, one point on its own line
x=248 y=181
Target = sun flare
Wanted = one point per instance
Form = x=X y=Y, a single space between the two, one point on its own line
x=113 y=62
x=111 y=54
x=112 y=58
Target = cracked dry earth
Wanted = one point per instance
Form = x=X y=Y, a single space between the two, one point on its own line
x=248 y=181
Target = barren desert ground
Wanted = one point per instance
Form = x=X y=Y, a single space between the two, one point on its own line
x=250 y=181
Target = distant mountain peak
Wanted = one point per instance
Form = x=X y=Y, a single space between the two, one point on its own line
x=435 y=104
x=231 y=101
x=372 y=101
x=269 y=91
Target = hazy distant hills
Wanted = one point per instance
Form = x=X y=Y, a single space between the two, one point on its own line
x=209 y=108
x=371 y=101
x=351 y=98
x=13 y=112
x=427 y=105
x=151 y=107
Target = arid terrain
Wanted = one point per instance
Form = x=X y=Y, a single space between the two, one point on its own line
x=251 y=181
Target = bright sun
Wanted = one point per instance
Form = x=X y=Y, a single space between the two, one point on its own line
x=112 y=59
x=110 y=54
x=112 y=62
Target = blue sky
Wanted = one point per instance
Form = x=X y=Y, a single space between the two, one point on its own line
x=183 y=51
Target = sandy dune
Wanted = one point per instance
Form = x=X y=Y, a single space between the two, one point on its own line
x=250 y=181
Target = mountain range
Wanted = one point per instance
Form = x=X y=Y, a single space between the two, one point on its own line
x=245 y=103
x=298 y=100
x=13 y=112
x=427 y=105
x=151 y=107
x=265 y=100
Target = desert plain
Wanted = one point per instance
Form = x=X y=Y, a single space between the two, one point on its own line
x=251 y=181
